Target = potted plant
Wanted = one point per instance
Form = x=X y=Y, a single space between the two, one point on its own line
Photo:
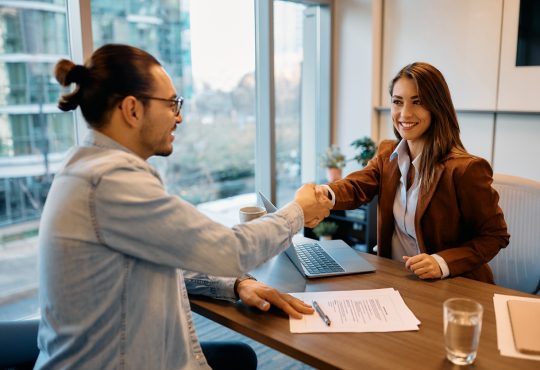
x=325 y=230
x=334 y=161
x=367 y=149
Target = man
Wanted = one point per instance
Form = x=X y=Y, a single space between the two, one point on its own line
x=118 y=254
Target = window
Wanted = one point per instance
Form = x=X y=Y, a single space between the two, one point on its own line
x=301 y=65
x=288 y=62
x=34 y=136
x=209 y=49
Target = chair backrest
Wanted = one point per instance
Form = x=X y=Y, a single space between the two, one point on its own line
x=518 y=265
x=18 y=344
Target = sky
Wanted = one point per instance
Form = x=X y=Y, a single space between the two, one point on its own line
x=222 y=42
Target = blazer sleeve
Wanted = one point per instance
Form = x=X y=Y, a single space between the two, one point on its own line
x=485 y=227
x=360 y=187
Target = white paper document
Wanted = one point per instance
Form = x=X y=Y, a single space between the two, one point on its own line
x=505 y=337
x=356 y=311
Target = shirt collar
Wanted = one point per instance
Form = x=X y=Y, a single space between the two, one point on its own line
x=402 y=154
x=96 y=138
x=400 y=151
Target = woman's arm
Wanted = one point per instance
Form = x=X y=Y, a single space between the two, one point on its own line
x=483 y=219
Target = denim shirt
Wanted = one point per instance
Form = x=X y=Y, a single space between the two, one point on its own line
x=118 y=256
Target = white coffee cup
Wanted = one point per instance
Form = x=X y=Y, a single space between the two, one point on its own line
x=250 y=213
x=462 y=327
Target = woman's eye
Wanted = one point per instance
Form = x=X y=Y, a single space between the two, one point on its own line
x=417 y=102
x=397 y=102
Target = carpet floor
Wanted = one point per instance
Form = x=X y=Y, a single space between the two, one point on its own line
x=268 y=359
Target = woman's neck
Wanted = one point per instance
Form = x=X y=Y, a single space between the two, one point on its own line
x=415 y=148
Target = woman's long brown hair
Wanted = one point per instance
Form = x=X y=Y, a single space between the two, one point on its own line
x=442 y=135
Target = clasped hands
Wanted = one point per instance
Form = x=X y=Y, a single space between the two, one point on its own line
x=316 y=206
x=423 y=265
x=314 y=202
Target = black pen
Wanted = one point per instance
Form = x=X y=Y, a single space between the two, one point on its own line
x=322 y=315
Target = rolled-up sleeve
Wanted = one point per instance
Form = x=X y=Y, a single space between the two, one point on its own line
x=210 y=286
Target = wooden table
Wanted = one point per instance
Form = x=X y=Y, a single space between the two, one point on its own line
x=423 y=349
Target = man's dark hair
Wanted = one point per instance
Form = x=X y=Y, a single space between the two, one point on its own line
x=113 y=72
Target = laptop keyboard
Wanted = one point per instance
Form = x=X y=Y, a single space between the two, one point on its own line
x=316 y=260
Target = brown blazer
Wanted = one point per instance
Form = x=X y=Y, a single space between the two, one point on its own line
x=458 y=217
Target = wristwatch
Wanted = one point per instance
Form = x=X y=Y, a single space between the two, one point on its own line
x=239 y=280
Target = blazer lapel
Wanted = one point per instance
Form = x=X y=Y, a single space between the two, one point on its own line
x=385 y=218
x=393 y=181
x=424 y=198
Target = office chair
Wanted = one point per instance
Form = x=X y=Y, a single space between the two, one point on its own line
x=18 y=344
x=517 y=266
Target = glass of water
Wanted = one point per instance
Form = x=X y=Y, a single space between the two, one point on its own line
x=462 y=327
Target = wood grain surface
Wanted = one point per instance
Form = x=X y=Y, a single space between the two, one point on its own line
x=423 y=349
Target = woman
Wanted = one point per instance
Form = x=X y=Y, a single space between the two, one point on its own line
x=437 y=210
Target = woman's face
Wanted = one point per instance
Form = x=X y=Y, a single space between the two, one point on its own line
x=411 y=119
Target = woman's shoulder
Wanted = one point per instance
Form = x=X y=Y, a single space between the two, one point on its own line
x=386 y=147
x=462 y=162
x=462 y=157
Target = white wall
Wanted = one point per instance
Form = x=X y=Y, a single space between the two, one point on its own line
x=516 y=145
x=473 y=43
x=459 y=37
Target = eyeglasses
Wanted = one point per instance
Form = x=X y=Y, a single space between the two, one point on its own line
x=177 y=106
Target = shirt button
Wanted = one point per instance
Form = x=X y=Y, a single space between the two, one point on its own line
x=198 y=357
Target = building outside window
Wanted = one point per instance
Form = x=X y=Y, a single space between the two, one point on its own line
x=34 y=137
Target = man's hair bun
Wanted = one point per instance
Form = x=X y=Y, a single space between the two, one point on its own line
x=66 y=73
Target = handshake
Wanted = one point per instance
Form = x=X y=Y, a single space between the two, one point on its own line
x=314 y=202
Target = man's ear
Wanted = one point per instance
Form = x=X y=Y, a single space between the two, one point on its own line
x=132 y=110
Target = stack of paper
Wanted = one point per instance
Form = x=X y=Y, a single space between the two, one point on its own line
x=505 y=335
x=375 y=310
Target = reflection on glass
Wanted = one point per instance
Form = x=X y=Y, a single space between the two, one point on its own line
x=34 y=137
x=208 y=49
x=288 y=58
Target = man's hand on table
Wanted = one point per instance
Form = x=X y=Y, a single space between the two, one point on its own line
x=256 y=294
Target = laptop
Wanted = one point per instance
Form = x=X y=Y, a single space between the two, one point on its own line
x=322 y=258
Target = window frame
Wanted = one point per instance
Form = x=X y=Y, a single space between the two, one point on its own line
x=316 y=101
x=81 y=45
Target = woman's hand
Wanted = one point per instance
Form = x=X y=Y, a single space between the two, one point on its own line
x=423 y=265
x=256 y=294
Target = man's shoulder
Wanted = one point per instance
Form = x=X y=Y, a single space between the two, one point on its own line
x=93 y=162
